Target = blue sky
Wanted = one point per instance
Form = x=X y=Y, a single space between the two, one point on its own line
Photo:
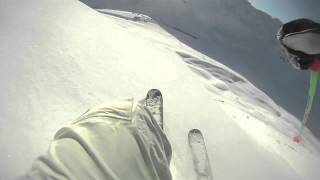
x=287 y=10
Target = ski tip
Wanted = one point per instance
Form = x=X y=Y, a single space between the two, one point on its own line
x=194 y=131
x=154 y=93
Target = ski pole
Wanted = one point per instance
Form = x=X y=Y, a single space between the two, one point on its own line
x=312 y=92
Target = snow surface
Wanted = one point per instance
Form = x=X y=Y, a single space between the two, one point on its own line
x=236 y=34
x=59 y=59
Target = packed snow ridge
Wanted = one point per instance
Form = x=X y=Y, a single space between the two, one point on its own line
x=63 y=58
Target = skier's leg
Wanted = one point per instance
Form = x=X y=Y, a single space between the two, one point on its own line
x=113 y=141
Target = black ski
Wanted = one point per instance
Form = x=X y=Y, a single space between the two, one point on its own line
x=199 y=155
x=154 y=103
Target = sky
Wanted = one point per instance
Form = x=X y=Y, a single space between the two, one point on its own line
x=287 y=10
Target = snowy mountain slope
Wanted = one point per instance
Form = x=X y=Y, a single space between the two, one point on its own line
x=63 y=58
x=234 y=33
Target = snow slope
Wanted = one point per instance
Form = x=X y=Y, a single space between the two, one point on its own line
x=236 y=34
x=59 y=59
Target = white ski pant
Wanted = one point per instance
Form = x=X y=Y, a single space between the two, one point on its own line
x=115 y=141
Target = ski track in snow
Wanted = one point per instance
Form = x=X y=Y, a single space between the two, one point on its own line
x=240 y=124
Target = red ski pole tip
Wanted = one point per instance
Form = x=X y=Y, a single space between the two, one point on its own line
x=297 y=139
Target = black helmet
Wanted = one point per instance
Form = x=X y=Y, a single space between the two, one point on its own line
x=300 y=40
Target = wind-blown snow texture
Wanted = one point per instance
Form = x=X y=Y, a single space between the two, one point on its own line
x=59 y=59
x=236 y=34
